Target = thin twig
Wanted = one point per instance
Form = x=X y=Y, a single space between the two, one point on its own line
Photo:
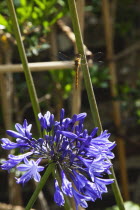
x=69 y=33
x=126 y=51
x=40 y=100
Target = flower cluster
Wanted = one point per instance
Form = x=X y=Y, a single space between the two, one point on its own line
x=81 y=158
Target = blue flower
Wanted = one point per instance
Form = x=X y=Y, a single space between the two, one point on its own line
x=23 y=131
x=9 y=164
x=32 y=169
x=81 y=157
x=46 y=121
x=14 y=160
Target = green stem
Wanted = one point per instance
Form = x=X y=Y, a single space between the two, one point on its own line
x=116 y=190
x=90 y=91
x=41 y=184
x=28 y=76
x=88 y=83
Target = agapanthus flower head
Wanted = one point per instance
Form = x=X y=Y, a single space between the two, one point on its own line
x=81 y=158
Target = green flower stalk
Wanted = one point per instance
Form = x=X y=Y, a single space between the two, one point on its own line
x=90 y=92
x=28 y=76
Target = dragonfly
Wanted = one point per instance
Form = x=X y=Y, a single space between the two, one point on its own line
x=77 y=63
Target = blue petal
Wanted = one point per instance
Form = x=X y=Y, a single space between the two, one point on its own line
x=19 y=128
x=101 y=184
x=81 y=116
x=66 y=185
x=74 y=119
x=23 y=131
x=37 y=177
x=7 y=144
x=69 y=134
x=80 y=200
x=91 y=191
x=46 y=121
x=14 y=160
x=58 y=195
x=93 y=133
x=14 y=134
x=23 y=167
x=9 y=164
x=24 y=178
x=42 y=121
x=80 y=179
x=32 y=169
x=40 y=168
x=62 y=114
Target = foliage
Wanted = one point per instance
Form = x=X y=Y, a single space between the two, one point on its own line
x=127 y=18
x=129 y=97
x=99 y=76
x=44 y=13
x=39 y=13
x=35 y=19
x=95 y=7
x=65 y=80
x=129 y=205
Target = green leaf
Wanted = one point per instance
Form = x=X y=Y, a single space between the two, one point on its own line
x=40 y=4
x=23 y=3
x=3 y=21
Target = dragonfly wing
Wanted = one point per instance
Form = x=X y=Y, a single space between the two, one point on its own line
x=64 y=57
x=95 y=58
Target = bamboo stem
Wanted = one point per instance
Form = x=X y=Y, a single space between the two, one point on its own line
x=39 y=66
x=114 y=93
x=77 y=93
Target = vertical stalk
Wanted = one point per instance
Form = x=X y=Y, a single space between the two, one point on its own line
x=28 y=76
x=76 y=95
x=108 y=29
x=90 y=92
x=80 y=47
x=41 y=184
